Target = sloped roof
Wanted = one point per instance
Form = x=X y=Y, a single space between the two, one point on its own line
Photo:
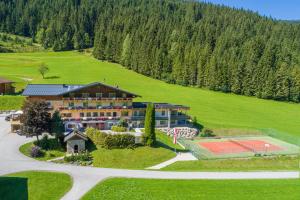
x=61 y=89
x=2 y=80
x=75 y=133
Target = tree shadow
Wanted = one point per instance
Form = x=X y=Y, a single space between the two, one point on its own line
x=52 y=77
x=13 y=188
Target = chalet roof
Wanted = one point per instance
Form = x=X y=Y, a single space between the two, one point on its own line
x=75 y=133
x=159 y=105
x=61 y=89
x=2 y=80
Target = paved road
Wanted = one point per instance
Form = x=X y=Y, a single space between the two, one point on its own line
x=84 y=178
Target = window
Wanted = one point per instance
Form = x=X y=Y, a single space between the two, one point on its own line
x=88 y=114
x=99 y=104
x=108 y=114
x=85 y=104
x=112 y=95
x=101 y=114
x=124 y=113
x=163 y=113
x=95 y=114
x=67 y=115
x=81 y=114
x=163 y=122
x=48 y=104
x=72 y=95
x=99 y=95
x=174 y=112
x=71 y=104
x=85 y=95
x=173 y=122
x=114 y=114
x=136 y=113
x=124 y=95
x=125 y=104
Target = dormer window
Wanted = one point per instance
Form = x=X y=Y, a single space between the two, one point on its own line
x=85 y=95
x=112 y=95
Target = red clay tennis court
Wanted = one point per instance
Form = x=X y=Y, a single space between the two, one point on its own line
x=239 y=146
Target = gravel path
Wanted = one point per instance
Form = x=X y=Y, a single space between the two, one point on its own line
x=84 y=178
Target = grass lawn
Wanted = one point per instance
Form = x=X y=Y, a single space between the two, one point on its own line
x=213 y=109
x=253 y=164
x=34 y=185
x=51 y=154
x=138 y=189
x=138 y=158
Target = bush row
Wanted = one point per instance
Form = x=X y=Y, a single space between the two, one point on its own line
x=117 y=141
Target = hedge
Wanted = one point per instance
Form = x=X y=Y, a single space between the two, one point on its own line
x=116 y=141
x=118 y=129
x=119 y=141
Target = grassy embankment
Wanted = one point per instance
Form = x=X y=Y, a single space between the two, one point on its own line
x=137 y=189
x=34 y=185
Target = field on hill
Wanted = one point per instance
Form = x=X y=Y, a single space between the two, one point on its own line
x=16 y=43
x=133 y=189
x=212 y=109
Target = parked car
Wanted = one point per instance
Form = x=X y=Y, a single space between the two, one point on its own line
x=8 y=117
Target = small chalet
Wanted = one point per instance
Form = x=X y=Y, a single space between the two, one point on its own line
x=75 y=141
x=6 y=86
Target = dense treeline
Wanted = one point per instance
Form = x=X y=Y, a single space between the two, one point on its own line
x=182 y=42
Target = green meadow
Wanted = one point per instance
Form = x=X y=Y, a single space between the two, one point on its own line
x=151 y=189
x=212 y=109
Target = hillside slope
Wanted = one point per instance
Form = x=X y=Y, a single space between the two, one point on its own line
x=213 y=109
x=178 y=41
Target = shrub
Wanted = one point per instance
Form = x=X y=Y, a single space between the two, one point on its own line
x=48 y=144
x=82 y=158
x=96 y=136
x=123 y=123
x=118 y=129
x=119 y=141
x=36 y=151
x=207 y=133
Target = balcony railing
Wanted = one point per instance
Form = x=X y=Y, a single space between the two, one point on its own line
x=95 y=98
x=82 y=119
x=94 y=107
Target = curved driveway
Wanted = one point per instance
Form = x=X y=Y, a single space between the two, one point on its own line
x=84 y=178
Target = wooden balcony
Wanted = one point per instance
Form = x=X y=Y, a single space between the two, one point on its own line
x=96 y=108
x=96 y=99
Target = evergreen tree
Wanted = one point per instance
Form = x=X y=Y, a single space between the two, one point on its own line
x=149 y=137
x=57 y=125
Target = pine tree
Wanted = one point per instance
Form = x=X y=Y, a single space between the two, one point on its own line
x=57 y=125
x=149 y=137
